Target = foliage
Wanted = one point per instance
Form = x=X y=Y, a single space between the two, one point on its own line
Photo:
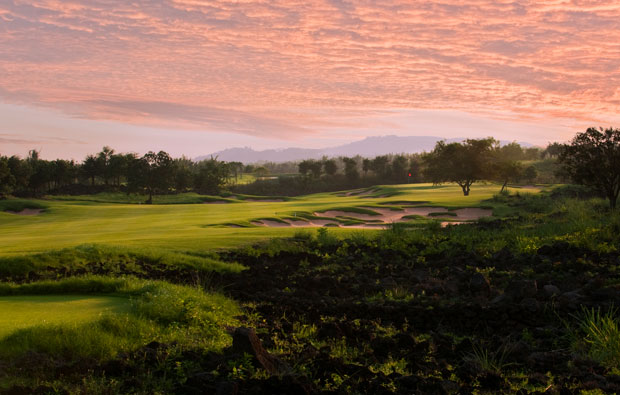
x=593 y=159
x=599 y=334
x=463 y=163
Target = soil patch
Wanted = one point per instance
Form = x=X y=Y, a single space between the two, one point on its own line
x=27 y=211
x=471 y=213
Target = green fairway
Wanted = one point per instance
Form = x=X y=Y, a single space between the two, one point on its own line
x=18 y=312
x=194 y=227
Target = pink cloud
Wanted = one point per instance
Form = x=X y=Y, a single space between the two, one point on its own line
x=260 y=67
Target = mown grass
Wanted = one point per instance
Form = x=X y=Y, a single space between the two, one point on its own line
x=24 y=311
x=185 y=227
x=187 y=316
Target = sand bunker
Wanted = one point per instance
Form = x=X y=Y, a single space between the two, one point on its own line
x=27 y=211
x=387 y=215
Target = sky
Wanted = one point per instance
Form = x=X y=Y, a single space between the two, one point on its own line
x=196 y=76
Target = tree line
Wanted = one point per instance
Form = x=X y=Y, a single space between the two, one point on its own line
x=463 y=163
x=592 y=158
x=150 y=174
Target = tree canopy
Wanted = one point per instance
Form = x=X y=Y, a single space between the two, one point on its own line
x=593 y=159
x=462 y=163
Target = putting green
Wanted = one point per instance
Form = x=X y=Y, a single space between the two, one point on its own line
x=18 y=312
x=190 y=227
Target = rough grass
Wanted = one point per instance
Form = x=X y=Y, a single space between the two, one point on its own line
x=20 y=204
x=159 y=312
x=598 y=336
x=110 y=259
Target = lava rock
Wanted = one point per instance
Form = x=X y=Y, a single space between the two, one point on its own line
x=479 y=285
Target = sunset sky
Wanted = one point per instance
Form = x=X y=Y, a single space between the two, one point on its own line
x=196 y=76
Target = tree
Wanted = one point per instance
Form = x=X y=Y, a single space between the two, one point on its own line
x=553 y=150
x=152 y=172
x=350 y=169
x=366 y=165
x=210 y=176
x=304 y=167
x=399 y=168
x=182 y=173
x=316 y=168
x=380 y=166
x=7 y=180
x=507 y=170
x=103 y=163
x=90 y=168
x=593 y=158
x=462 y=163
x=330 y=166
x=511 y=152
x=530 y=174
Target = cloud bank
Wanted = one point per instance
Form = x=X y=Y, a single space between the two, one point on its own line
x=285 y=68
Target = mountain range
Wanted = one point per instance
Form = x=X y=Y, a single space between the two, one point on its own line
x=368 y=147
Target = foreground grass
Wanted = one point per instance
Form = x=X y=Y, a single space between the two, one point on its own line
x=20 y=312
x=189 y=227
x=158 y=311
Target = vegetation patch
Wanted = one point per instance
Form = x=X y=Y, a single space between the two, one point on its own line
x=357 y=210
x=100 y=259
x=17 y=205
x=159 y=311
x=442 y=214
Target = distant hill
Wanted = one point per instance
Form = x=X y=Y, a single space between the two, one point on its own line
x=368 y=147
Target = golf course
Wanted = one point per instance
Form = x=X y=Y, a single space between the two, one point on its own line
x=339 y=292
x=190 y=222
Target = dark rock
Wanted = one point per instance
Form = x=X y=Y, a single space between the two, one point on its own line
x=388 y=282
x=450 y=387
x=501 y=300
x=245 y=341
x=404 y=340
x=530 y=304
x=227 y=388
x=547 y=360
x=551 y=290
x=570 y=299
x=479 y=285
x=521 y=289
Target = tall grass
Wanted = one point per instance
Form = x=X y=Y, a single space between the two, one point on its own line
x=598 y=336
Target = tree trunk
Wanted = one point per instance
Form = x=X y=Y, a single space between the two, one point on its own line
x=150 y=201
x=503 y=186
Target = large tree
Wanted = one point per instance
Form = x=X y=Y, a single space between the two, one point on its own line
x=593 y=158
x=462 y=163
x=152 y=172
